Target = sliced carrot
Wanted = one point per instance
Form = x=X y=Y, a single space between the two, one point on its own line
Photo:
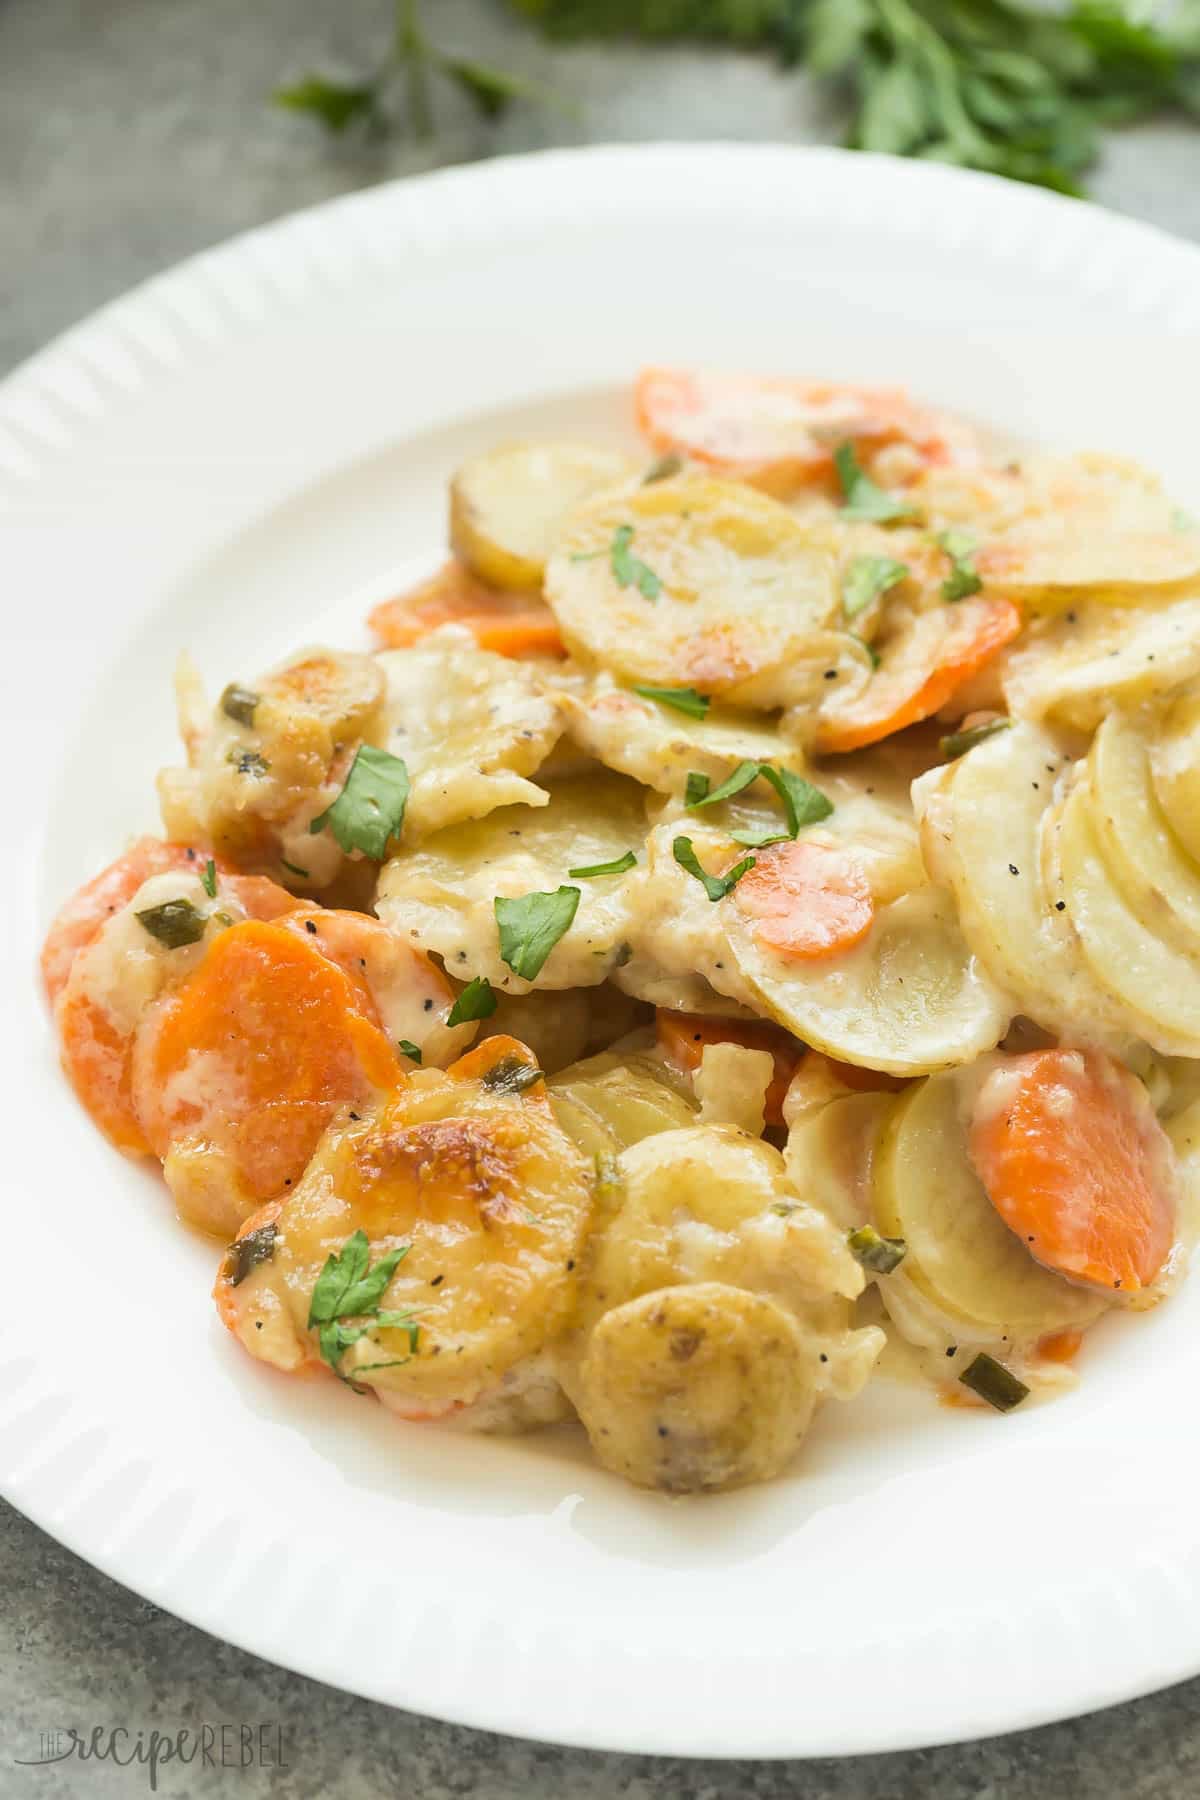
x=255 y=1051
x=921 y=668
x=810 y=899
x=80 y=919
x=780 y=433
x=853 y=1075
x=1070 y=1152
x=510 y=624
x=96 y=1056
x=400 y=988
x=684 y=1037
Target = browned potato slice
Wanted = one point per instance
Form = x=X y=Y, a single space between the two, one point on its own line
x=507 y=506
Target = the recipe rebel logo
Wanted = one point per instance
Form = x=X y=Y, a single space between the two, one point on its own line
x=242 y=1746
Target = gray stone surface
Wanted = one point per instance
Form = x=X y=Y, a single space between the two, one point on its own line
x=133 y=132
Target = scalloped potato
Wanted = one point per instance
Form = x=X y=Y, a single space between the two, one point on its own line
x=803 y=832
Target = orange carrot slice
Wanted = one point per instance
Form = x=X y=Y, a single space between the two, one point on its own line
x=1075 y=1162
x=510 y=624
x=684 y=1037
x=255 y=1051
x=809 y=899
x=780 y=433
x=928 y=660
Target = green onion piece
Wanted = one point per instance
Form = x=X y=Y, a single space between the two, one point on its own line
x=511 y=1075
x=994 y=1383
x=618 y=866
x=239 y=703
x=865 y=499
x=246 y=1254
x=684 y=700
x=957 y=743
x=406 y=1047
x=715 y=886
x=174 y=923
x=663 y=468
x=208 y=878
x=477 y=1001
x=878 y=1254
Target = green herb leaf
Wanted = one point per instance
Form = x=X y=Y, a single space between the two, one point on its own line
x=870 y=649
x=208 y=878
x=684 y=700
x=663 y=468
x=697 y=787
x=629 y=570
x=618 y=866
x=369 y=811
x=240 y=703
x=512 y=1075
x=994 y=1383
x=866 y=579
x=347 y=1286
x=758 y=840
x=957 y=743
x=293 y=868
x=336 y=103
x=742 y=776
x=531 y=925
x=403 y=1320
x=715 y=886
x=477 y=1001
x=878 y=1254
x=246 y=1253
x=865 y=499
x=174 y=923
x=803 y=803
x=962 y=580
x=406 y=1047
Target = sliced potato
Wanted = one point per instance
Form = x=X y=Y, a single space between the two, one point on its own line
x=731 y=1085
x=961 y=1257
x=1161 y=883
x=1175 y=763
x=270 y=758
x=508 y=505
x=1157 y=985
x=908 y=999
x=659 y=746
x=694 y=582
x=440 y=893
x=1073 y=669
x=680 y=948
x=487 y=1196
x=617 y=1098
x=469 y=725
x=553 y=1023
x=981 y=822
x=696 y=1388
x=830 y=1155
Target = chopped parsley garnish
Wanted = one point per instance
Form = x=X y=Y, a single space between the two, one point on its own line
x=663 y=468
x=803 y=803
x=684 y=700
x=715 y=886
x=240 y=703
x=369 y=811
x=878 y=1254
x=866 y=579
x=208 y=878
x=960 y=547
x=477 y=1001
x=349 y=1288
x=1182 y=520
x=293 y=868
x=531 y=925
x=697 y=787
x=618 y=866
x=406 y=1047
x=174 y=923
x=246 y=1253
x=512 y=1075
x=957 y=743
x=629 y=570
x=742 y=776
x=870 y=649
x=865 y=499
x=994 y=1383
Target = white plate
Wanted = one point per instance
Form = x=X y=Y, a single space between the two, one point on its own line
x=231 y=459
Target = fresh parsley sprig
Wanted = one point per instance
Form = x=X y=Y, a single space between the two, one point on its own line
x=349 y=1288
